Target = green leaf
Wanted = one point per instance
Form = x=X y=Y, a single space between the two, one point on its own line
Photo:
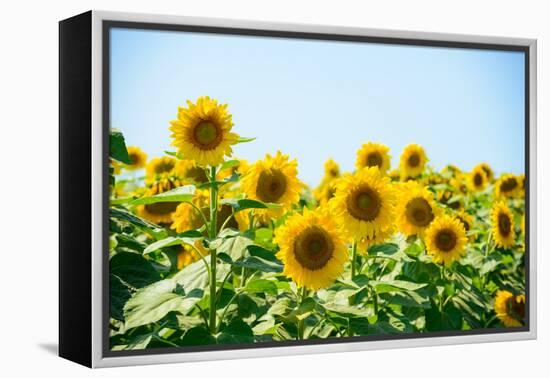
x=243 y=204
x=131 y=218
x=154 y=302
x=170 y=241
x=119 y=295
x=198 y=336
x=262 y=286
x=236 y=332
x=181 y=194
x=245 y=140
x=133 y=269
x=396 y=285
x=117 y=147
x=229 y=164
x=385 y=249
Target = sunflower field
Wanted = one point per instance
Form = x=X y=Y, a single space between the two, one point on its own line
x=208 y=249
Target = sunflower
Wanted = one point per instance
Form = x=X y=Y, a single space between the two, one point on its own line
x=503 y=225
x=312 y=249
x=412 y=162
x=160 y=212
x=159 y=168
x=510 y=308
x=521 y=180
x=364 y=203
x=190 y=172
x=188 y=255
x=477 y=180
x=507 y=186
x=186 y=217
x=416 y=209
x=488 y=171
x=373 y=155
x=459 y=183
x=202 y=132
x=137 y=157
x=325 y=192
x=468 y=222
x=273 y=180
x=115 y=165
x=332 y=169
x=446 y=239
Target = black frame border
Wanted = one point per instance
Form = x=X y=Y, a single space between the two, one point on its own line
x=107 y=25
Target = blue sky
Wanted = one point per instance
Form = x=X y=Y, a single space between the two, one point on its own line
x=320 y=99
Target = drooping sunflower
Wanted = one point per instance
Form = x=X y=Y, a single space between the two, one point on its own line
x=273 y=180
x=416 y=209
x=137 y=157
x=477 y=180
x=202 y=132
x=160 y=212
x=446 y=239
x=159 y=168
x=488 y=171
x=188 y=255
x=332 y=169
x=364 y=203
x=503 y=225
x=507 y=186
x=373 y=155
x=312 y=249
x=510 y=308
x=468 y=222
x=412 y=161
x=186 y=217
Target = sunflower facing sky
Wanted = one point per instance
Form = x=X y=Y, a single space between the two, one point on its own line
x=507 y=186
x=312 y=249
x=373 y=155
x=416 y=209
x=510 y=308
x=412 y=161
x=503 y=225
x=273 y=180
x=202 y=132
x=477 y=179
x=137 y=157
x=446 y=240
x=364 y=203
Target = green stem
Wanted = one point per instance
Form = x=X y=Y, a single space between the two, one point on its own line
x=213 y=258
x=353 y=258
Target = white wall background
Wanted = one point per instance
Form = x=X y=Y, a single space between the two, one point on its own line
x=28 y=186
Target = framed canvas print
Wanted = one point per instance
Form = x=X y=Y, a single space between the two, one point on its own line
x=232 y=189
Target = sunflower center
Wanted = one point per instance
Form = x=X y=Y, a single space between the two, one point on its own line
x=464 y=223
x=207 y=135
x=419 y=212
x=313 y=248
x=271 y=185
x=374 y=159
x=478 y=180
x=334 y=172
x=509 y=184
x=515 y=309
x=133 y=158
x=364 y=204
x=504 y=224
x=414 y=160
x=445 y=240
x=162 y=208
